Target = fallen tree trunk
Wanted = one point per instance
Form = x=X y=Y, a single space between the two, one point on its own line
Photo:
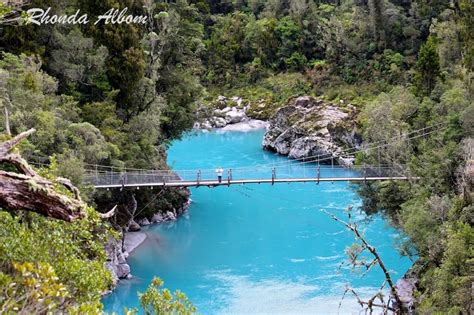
x=27 y=190
x=21 y=192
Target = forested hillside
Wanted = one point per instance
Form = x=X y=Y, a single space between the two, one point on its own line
x=117 y=95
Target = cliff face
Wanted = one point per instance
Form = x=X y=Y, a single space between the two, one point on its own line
x=308 y=127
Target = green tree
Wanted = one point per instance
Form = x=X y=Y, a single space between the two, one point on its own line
x=262 y=40
x=225 y=49
x=427 y=67
x=450 y=283
x=78 y=64
x=289 y=35
x=180 y=69
x=467 y=24
x=125 y=64
x=160 y=301
x=376 y=8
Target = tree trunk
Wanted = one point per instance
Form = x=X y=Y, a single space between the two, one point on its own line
x=27 y=190
x=7 y=121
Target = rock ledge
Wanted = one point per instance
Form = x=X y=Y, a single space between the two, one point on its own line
x=308 y=127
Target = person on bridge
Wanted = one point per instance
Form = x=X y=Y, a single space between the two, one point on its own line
x=219 y=172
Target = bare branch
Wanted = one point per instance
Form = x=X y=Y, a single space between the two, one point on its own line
x=67 y=183
x=109 y=214
x=369 y=266
x=369 y=303
x=377 y=260
x=7 y=146
x=14 y=16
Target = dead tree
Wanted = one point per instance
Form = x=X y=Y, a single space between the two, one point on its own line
x=27 y=190
x=378 y=299
x=12 y=12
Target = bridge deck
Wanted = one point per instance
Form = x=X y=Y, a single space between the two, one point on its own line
x=226 y=182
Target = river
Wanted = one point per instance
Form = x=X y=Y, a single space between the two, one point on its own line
x=256 y=249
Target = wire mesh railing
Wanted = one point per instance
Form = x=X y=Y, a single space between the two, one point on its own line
x=286 y=172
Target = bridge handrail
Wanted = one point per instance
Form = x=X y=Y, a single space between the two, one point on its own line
x=168 y=176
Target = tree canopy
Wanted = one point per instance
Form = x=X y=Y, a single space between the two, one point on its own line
x=117 y=95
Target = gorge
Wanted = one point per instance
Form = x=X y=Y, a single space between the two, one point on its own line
x=384 y=83
x=239 y=243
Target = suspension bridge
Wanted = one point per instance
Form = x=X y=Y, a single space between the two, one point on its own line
x=260 y=175
x=313 y=169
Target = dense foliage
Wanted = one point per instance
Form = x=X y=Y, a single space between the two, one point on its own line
x=156 y=300
x=117 y=94
x=49 y=264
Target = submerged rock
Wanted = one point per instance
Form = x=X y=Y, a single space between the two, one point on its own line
x=308 y=127
x=133 y=240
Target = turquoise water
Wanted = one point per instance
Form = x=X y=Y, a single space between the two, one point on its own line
x=256 y=249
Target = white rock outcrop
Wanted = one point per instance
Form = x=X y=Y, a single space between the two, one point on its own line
x=308 y=127
x=231 y=115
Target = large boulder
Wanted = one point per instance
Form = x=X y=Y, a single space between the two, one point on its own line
x=144 y=222
x=308 y=127
x=222 y=112
x=133 y=226
x=219 y=122
x=170 y=216
x=235 y=116
x=157 y=218
x=237 y=100
x=122 y=270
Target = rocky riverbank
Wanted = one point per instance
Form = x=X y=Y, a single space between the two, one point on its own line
x=118 y=250
x=304 y=128
x=228 y=114
x=308 y=127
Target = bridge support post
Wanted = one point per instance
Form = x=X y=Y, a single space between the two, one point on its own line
x=122 y=179
x=319 y=173
x=273 y=175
